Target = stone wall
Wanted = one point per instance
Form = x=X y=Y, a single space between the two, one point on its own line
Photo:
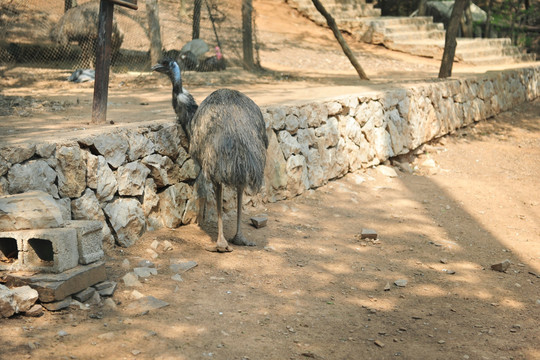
x=141 y=178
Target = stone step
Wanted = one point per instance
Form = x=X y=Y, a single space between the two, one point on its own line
x=356 y=13
x=400 y=28
x=464 y=43
x=387 y=21
x=487 y=51
x=415 y=35
x=509 y=59
x=337 y=10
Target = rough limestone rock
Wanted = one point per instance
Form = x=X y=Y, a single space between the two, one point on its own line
x=150 y=205
x=127 y=218
x=162 y=169
x=328 y=134
x=24 y=297
x=192 y=209
x=4 y=166
x=297 y=174
x=31 y=210
x=350 y=129
x=292 y=123
x=398 y=130
x=113 y=147
x=166 y=141
x=150 y=198
x=334 y=161
x=71 y=170
x=139 y=146
x=172 y=204
x=45 y=150
x=183 y=156
x=288 y=143
x=87 y=208
x=92 y=163
x=306 y=139
x=32 y=175
x=16 y=154
x=106 y=184
x=368 y=110
x=334 y=108
x=275 y=172
x=316 y=174
x=189 y=170
x=316 y=114
x=131 y=178
x=64 y=204
x=276 y=117
x=4 y=186
x=8 y=306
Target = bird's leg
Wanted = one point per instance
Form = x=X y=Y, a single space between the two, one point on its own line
x=239 y=238
x=221 y=244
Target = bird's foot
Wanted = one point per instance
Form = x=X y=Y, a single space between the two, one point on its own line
x=221 y=246
x=240 y=240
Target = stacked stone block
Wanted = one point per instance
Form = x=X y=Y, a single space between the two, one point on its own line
x=34 y=236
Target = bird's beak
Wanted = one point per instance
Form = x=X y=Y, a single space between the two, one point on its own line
x=159 y=68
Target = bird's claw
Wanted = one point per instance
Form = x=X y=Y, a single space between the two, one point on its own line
x=240 y=240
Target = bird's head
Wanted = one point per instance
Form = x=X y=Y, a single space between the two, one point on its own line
x=168 y=67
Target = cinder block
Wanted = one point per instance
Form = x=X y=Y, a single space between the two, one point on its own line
x=10 y=251
x=49 y=250
x=89 y=239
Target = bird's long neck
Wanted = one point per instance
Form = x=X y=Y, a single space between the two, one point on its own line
x=176 y=79
x=183 y=103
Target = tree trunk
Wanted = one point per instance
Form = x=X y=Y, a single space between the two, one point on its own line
x=196 y=19
x=515 y=16
x=332 y=24
x=467 y=21
x=152 y=12
x=422 y=8
x=450 y=39
x=487 y=33
x=247 y=34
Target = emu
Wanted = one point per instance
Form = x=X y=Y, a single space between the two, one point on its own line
x=227 y=138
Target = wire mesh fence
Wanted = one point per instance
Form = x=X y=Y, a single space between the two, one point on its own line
x=46 y=34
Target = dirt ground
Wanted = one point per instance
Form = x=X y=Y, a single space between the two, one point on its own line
x=312 y=288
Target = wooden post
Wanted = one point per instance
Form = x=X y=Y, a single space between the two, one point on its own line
x=103 y=57
x=103 y=62
x=152 y=13
x=196 y=27
x=247 y=34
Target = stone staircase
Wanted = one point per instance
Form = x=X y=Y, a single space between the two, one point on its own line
x=414 y=35
x=346 y=12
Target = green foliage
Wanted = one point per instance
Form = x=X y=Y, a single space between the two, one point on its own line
x=397 y=8
x=518 y=20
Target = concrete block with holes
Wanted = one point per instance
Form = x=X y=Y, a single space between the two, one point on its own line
x=10 y=251
x=89 y=239
x=47 y=250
